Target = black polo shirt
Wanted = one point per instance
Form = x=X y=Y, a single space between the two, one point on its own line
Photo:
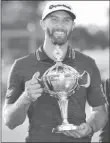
x=44 y=113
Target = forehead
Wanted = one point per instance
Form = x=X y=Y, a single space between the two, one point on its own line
x=60 y=13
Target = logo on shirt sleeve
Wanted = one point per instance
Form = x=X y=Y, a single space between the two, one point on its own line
x=84 y=80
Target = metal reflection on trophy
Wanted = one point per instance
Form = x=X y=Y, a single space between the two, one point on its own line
x=61 y=81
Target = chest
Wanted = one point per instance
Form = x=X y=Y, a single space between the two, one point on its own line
x=43 y=66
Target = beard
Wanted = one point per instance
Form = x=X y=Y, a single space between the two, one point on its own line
x=58 y=39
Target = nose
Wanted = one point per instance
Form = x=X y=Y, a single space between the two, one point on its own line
x=60 y=24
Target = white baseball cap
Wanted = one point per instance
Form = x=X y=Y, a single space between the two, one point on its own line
x=55 y=6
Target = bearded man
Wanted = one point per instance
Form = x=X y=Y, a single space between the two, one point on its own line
x=25 y=94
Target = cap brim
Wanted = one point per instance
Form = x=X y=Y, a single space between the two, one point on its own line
x=70 y=13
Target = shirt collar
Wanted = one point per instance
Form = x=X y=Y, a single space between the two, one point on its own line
x=42 y=56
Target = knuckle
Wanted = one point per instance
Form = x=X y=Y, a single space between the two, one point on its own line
x=35 y=96
x=38 y=85
x=41 y=89
x=39 y=95
x=26 y=83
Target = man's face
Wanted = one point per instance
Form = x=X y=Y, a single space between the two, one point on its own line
x=58 y=27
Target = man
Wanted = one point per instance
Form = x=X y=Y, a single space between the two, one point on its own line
x=25 y=94
x=105 y=132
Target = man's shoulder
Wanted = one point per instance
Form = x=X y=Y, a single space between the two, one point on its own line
x=83 y=57
x=27 y=60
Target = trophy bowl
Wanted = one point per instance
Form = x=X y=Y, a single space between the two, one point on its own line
x=60 y=80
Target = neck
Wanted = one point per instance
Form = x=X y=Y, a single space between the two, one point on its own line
x=49 y=48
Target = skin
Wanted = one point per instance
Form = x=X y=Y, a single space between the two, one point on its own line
x=57 y=28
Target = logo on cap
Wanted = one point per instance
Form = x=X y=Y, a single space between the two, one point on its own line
x=59 y=5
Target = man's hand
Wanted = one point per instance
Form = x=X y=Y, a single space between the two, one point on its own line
x=83 y=130
x=33 y=88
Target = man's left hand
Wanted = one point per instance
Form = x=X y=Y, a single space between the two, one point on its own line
x=83 y=130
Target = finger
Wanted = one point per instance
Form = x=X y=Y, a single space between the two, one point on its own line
x=27 y=83
x=31 y=87
x=34 y=86
x=75 y=134
x=36 y=75
x=36 y=91
x=70 y=133
x=30 y=82
x=35 y=96
x=66 y=133
x=34 y=81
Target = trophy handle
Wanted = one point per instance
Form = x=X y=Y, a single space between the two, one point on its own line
x=39 y=80
x=84 y=79
x=41 y=83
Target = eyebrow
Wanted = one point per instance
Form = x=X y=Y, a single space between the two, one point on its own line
x=53 y=15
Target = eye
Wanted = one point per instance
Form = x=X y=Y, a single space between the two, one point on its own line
x=67 y=20
x=53 y=19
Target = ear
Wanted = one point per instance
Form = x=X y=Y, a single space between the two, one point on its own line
x=73 y=25
x=42 y=24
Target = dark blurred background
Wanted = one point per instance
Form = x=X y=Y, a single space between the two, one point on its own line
x=22 y=34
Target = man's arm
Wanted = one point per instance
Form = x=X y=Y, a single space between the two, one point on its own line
x=96 y=99
x=98 y=118
x=18 y=97
x=96 y=121
x=16 y=102
x=15 y=114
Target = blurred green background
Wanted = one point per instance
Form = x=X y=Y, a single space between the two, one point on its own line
x=22 y=34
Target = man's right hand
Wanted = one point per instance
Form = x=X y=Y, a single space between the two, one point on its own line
x=33 y=88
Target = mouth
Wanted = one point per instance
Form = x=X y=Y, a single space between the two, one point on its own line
x=59 y=34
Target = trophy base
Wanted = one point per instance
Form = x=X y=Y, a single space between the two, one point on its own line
x=64 y=127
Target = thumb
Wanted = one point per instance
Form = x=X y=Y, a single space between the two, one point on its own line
x=36 y=75
x=82 y=126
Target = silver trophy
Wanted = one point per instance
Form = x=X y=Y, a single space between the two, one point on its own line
x=61 y=81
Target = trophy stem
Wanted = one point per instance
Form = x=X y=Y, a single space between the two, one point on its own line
x=65 y=121
x=63 y=104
